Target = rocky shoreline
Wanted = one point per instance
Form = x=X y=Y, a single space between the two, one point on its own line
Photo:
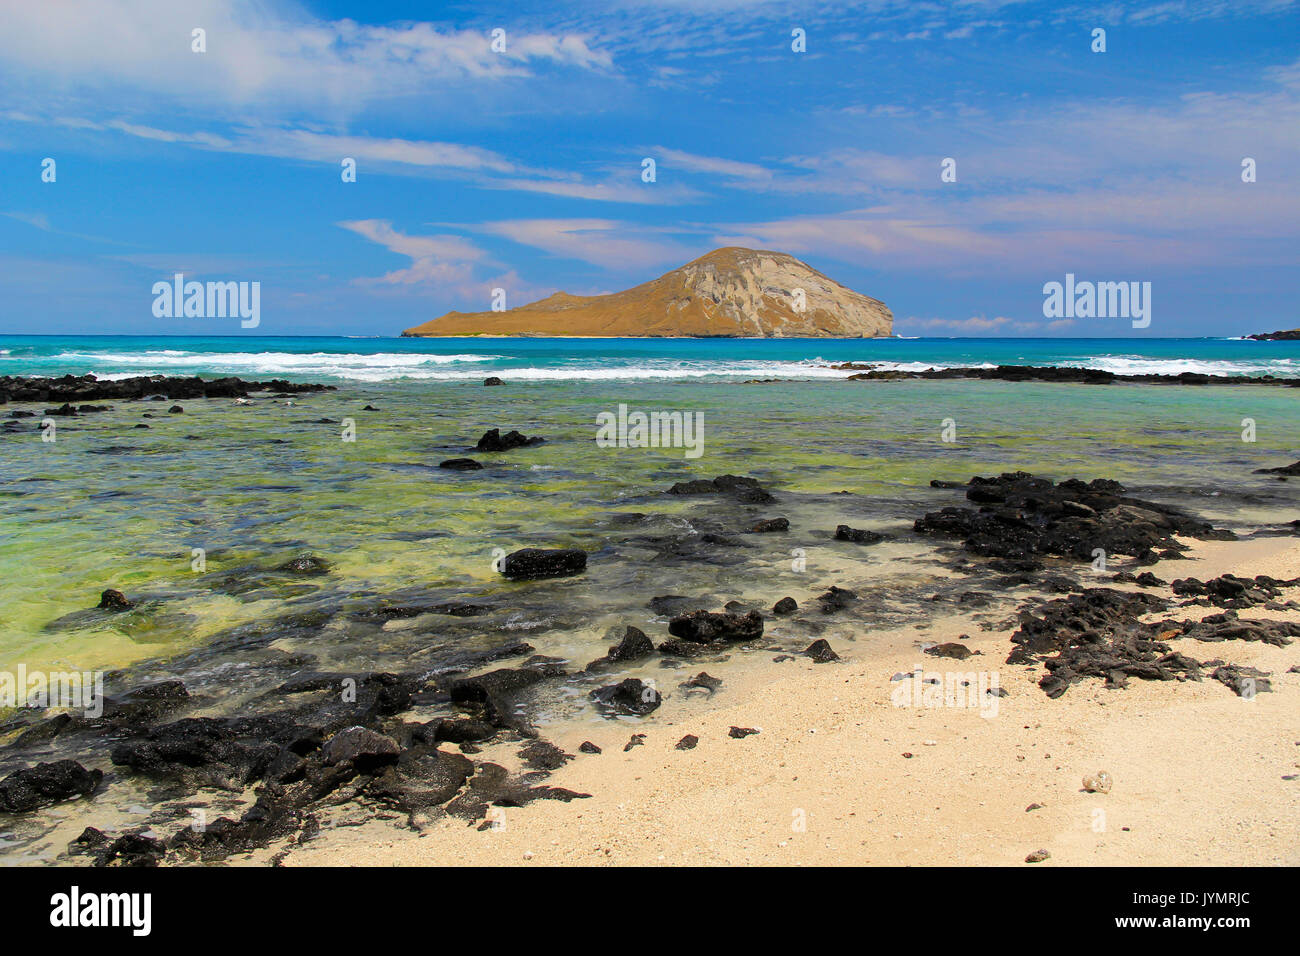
x=310 y=739
x=864 y=372
x=86 y=388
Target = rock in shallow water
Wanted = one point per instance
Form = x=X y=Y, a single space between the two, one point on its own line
x=738 y=487
x=460 y=464
x=532 y=563
x=631 y=697
x=630 y=644
x=111 y=600
x=305 y=564
x=706 y=627
x=46 y=784
x=855 y=536
x=493 y=440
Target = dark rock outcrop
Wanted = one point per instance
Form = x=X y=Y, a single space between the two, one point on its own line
x=532 y=563
x=45 y=784
x=706 y=627
x=738 y=487
x=1021 y=516
x=630 y=697
x=493 y=440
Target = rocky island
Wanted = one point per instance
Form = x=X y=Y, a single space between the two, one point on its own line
x=728 y=293
x=1284 y=335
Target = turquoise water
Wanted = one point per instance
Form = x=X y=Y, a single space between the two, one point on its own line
x=110 y=505
x=459 y=359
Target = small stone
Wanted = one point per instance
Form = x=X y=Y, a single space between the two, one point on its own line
x=820 y=651
x=702 y=681
x=1038 y=856
x=739 y=732
x=1098 y=782
x=787 y=605
x=588 y=747
x=688 y=742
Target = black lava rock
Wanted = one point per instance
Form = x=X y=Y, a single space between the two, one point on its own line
x=493 y=440
x=629 y=697
x=460 y=464
x=845 y=533
x=706 y=627
x=531 y=563
x=46 y=784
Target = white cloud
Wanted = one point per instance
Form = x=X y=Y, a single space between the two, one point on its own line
x=442 y=260
x=601 y=242
x=260 y=55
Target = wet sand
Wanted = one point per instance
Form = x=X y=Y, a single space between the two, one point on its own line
x=1198 y=772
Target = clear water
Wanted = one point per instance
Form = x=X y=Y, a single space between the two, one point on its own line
x=109 y=505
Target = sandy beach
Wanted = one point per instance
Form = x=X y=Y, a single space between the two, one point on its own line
x=839 y=775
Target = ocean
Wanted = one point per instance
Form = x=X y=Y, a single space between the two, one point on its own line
x=460 y=359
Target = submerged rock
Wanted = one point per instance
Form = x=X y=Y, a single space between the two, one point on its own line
x=1291 y=469
x=738 y=487
x=854 y=535
x=770 y=525
x=305 y=564
x=836 y=599
x=460 y=464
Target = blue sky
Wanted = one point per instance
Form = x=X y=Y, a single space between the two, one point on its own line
x=522 y=170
